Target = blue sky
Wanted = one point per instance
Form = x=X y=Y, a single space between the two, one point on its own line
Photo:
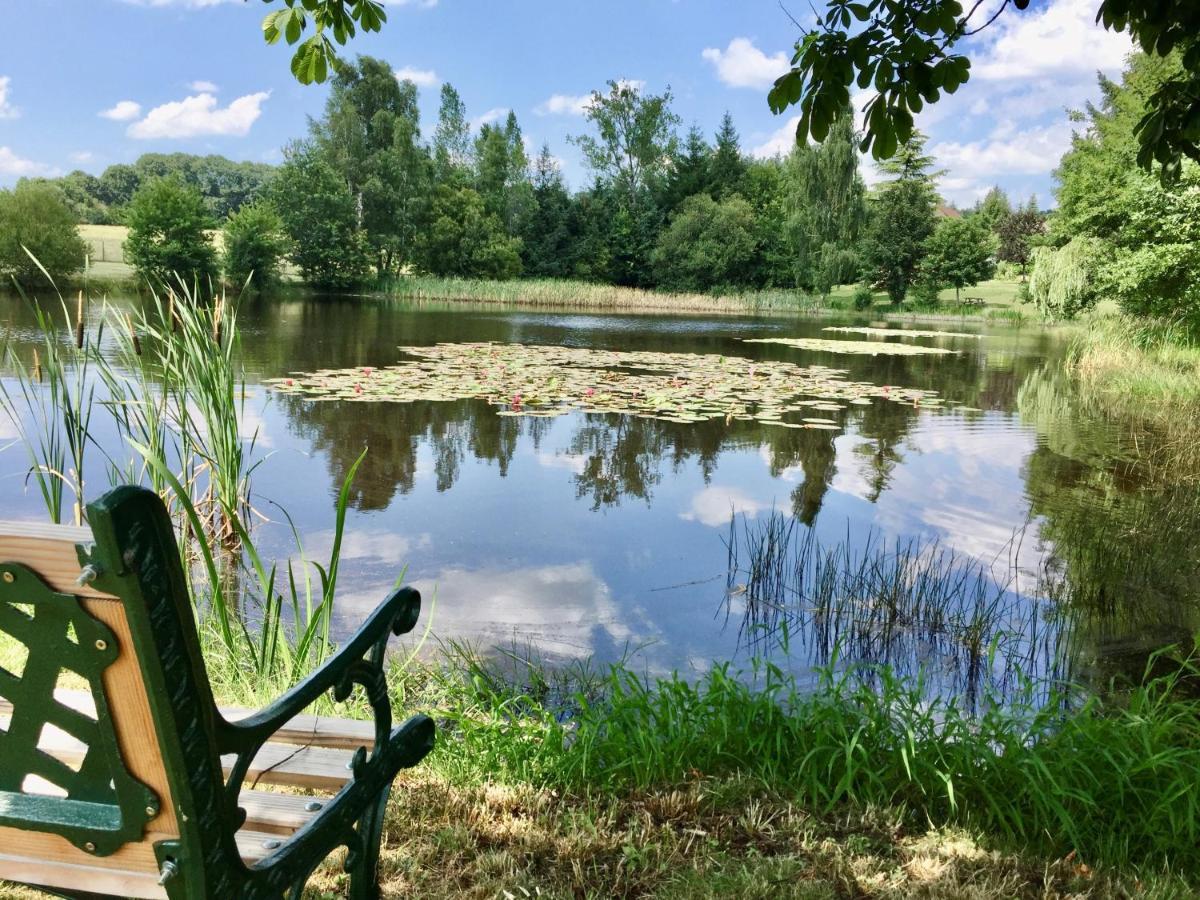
x=87 y=83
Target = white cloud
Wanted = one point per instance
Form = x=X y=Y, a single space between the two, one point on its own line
x=200 y=116
x=82 y=156
x=1062 y=39
x=203 y=87
x=123 y=111
x=15 y=166
x=7 y=110
x=420 y=77
x=975 y=164
x=565 y=105
x=489 y=117
x=778 y=144
x=743 y=65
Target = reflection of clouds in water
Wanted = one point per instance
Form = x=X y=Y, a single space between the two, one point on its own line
x=964 y=486
x=573 y=462
x=385 y=547
x=252 y=425
x=8 y=428
x=848 y=475
x=565 y=610
x=714 y=505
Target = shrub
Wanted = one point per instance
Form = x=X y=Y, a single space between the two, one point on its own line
x=36 y=216
x=864 y=297
x=168 y=235
x=706 y=245
x=254 y=246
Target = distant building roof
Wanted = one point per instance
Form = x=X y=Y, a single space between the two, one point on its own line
x=947 y=212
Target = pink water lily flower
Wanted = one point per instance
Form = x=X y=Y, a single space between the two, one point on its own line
x=589 y=392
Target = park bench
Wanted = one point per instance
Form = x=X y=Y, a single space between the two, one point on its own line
x=140 y=786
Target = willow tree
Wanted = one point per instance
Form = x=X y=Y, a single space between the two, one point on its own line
x=825 y=201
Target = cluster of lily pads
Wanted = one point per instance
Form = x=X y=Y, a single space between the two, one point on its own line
x=550 y=381
x=861 y=348
x=900 y=332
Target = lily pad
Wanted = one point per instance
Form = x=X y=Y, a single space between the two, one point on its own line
x=858 y=348
x=547 y=381
x=900 y=332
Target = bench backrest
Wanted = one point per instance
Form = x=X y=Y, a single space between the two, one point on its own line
x=147 y=761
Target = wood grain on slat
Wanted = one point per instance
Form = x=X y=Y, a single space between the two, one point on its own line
x=317 y=731
x=277 y=813
x=255 y=846
x=50 y=551
x=74 y=877
x=52 y=850
x=306 y=767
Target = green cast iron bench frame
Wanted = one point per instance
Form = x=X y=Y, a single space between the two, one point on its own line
x=142 y=786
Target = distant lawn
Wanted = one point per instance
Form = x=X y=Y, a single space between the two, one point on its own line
x=997 y=294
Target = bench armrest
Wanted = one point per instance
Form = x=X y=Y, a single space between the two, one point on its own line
x=358 y=661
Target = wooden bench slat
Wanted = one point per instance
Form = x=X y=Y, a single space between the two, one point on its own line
x=317 y=731
x=317 y=768
x=72 y=876
x=277 y=813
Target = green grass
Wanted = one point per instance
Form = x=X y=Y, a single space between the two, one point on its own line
x=998 y=294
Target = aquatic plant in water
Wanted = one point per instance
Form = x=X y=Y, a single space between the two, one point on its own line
x=856 y=348
x=552 y=381
x=899 y=332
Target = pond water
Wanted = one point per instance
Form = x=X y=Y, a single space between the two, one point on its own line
x=604 y=536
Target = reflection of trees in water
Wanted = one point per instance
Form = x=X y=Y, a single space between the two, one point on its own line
x=619 y=456
x=1126 y=534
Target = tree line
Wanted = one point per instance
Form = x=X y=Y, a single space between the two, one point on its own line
x=369 y=196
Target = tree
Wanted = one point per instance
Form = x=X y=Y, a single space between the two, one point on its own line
x=708 y=244
x=635 y=137
x=901 y=218
x=254 y=246
x=906 y=51
x=370 y=133
x=320 y=218
x=690 y=171
x=993 y=209
x=548 y=238
x=502 y=173
x=465 y=240
x=728 y=165
x=452 y=138
x=826 y=210
x=1135 y=238
x=35 y=216
x=1015 y=233
x=958 y=254
x=168 y=233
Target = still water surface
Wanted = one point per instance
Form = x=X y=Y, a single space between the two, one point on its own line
x=603 y=536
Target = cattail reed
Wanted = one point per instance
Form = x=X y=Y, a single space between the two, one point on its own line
x=37 y=365
x=133 y=335
x=79 y=323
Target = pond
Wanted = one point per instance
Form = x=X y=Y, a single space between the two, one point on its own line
x=605 y=535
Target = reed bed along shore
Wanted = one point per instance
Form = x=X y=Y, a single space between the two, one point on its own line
x=586 y=295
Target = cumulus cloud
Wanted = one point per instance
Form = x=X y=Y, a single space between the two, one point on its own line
x=7 y=110
x=1009 y=150
x=14 y=166
x=200 y=116
x=82 y=156
x=123 y=111
x=780 y=143
x=565 y=105
x=1062 y=39
x=489 y=117
x=420 y=77
x=743 y=65
x=203 y=87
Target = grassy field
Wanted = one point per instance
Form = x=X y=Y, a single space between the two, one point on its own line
x=997 y=294
x=106 y=259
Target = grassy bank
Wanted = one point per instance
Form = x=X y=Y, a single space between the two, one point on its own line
x=1144 y=367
